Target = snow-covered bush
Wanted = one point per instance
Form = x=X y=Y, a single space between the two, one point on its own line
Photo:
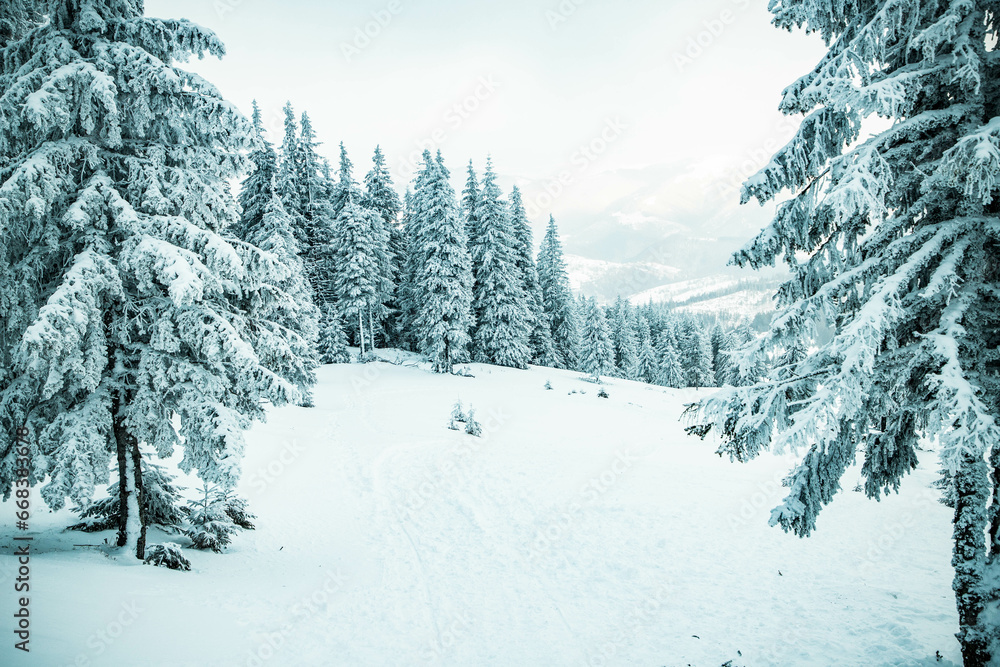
x=167 y=555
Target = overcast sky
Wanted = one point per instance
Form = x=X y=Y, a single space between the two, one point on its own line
x=649 y=110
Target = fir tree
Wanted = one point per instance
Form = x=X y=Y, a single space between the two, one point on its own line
x=381 y=198
x=125 y=317
x=284 y=322
x=557 y=297
x=670 y=372
x=287 y=178
x=543 y=351
x=624 y=339
x=470 y=203
x=598 y=352
x=333 y=339
x=258 y=187
x=892 y=240
x=441 y=269
x=359 y=262
x=499 y=299
x=648 y=363
x=345 y=185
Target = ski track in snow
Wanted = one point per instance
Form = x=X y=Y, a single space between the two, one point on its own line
x=578 y=531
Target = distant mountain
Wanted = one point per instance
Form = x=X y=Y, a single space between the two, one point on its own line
x=607 y=280
x=735 y=296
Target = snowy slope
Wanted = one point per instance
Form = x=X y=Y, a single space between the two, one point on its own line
x=579 y=531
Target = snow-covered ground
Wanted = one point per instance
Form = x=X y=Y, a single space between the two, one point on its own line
x=578 y=531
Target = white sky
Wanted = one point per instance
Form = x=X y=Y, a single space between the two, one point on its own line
x=562 y=75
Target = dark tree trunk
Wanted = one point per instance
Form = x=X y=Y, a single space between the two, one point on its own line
x=969 y=558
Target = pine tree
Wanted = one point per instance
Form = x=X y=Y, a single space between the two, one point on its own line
x=648 y=364
x=441 y=269
x=284 y=322
x=287 y=179
x=316 y=217
x=670 y=372
x=543 y=351
x=700 y=372
x=258 y=187
x=499 y=300
x=120 y=295
x=598 y=352
x=381 y=197
x=624 y=339
x=721 y=347
x=345 y=185
x=557 y=297
x=333 y=339
x=470 y=203
x=892 y=240
x=359 y=261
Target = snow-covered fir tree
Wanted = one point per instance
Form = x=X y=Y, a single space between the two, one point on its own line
x=892 y=241
x=543 y=351
x=287 y=179
x=381 y=197
x=283 y=320
x=598 y=353
x=359 y=262
x=557 y=298
x=500 y=304
x=332 y=339
x=441 y=290
x=670 y=371
x=344 y=185
x=648 y=364
x=119 y=290
x=696 y=347
x=470 y=202
x=258 y=187
x=624 y=340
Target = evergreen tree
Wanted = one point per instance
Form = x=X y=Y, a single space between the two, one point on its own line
x=670 y=372
x=557 y=297
x=624 y=339
x=316 y=218
x=700 y=372
x=345 y=185
x=120 y=296
x=892 y=240
x=381 y=197
x=470 y=203
x=648 y=363
x=284 y=322
x=499 y=300
x=287 y=178
x=598 y=352
x=16 y=16
x=333 y=339
x=441 y=269
x=359 y=261
x=258 y=187
x=543 y=351
x=721 y=347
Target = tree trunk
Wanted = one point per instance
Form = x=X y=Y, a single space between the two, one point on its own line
x=971 y=484
x=361 y=333
x=371 y=330
x=132 y=522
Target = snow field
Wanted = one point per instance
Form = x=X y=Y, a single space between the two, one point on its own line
x=576 y=531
